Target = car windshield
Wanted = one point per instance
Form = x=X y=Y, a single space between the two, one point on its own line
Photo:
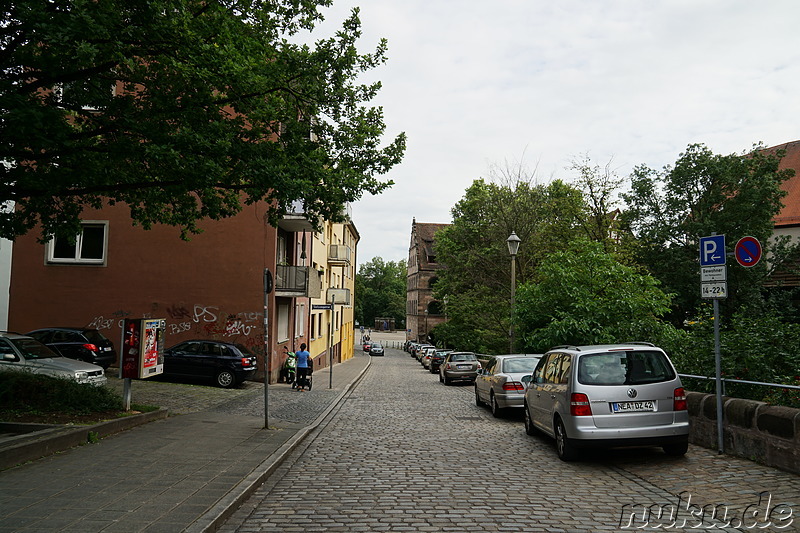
x=377 y=346
x=33 y=349
x=523 y=364
x=463 y=357
x=624 y=368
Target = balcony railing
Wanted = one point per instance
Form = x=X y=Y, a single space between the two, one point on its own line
x=294 y=220
x=339 y=254
x=297 y=281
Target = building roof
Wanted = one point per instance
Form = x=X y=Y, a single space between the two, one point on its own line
x=790 y=214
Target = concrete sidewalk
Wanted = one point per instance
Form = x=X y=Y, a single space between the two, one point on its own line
x=183 y=473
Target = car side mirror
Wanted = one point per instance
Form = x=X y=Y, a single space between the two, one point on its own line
x=527 y=379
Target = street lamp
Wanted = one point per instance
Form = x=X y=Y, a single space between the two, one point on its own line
x=513 y=246
x=426 y=326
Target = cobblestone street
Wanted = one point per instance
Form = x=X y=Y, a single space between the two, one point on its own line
x=406 y=453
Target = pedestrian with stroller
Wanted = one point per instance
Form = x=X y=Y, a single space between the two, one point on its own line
x=303 y=364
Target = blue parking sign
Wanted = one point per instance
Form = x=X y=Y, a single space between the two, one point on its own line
x=712 y=250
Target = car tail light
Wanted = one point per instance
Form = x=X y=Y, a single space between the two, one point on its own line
x=246 y=361
x=90 y=347
x=679 y=400
x=513 y=385
x=579 y=405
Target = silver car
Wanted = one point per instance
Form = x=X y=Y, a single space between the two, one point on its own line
x=500 y=384
x=459 y=366
x=607 y=396
x=26 y=354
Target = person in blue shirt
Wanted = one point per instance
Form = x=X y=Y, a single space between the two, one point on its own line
x=302 y=366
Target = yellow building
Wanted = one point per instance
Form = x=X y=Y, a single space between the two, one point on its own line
x=333 y=256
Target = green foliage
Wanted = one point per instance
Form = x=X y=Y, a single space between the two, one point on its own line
x=24 y=392
x=702 y=194
x=477 y=281
x=584 y=295
x=754 y=346
x=214 y=104
x=381 y=291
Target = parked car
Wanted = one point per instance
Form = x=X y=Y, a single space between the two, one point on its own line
x=436 y=360
x=367 y=346
x=228 y=364
x=608 y=396
x=459 y=366
x=26 y=354
x=425 y=360
x=376 y=349
x=500 y=383
x=420 y=351
x=83 y=344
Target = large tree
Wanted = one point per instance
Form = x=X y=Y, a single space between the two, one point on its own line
x=584 y=295
x=381 y=291
x=476 y=281
x=182 y=109
x=704 y=193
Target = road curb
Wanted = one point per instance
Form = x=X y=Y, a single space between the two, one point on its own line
x=48 y=440
x=212 y=519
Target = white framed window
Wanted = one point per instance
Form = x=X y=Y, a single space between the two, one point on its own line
x=299 y=320
x=90 y=246
x=283 y=322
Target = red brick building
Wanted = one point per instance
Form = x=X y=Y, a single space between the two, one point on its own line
x=423 y=312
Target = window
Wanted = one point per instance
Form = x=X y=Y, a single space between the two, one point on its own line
x=283 y=322
x=88 y=248
x=299 y=320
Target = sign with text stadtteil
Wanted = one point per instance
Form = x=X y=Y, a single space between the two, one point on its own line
x=713 y=272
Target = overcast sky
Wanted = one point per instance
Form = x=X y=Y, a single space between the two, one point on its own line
x=476 y=84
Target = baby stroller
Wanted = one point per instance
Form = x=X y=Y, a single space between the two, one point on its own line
x=307 y=382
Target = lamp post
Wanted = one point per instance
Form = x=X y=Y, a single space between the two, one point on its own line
x=513 y=246
x=426 y=326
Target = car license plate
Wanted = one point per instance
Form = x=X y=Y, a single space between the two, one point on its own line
x=633 y=407
x=463 y=367
x=107 y=349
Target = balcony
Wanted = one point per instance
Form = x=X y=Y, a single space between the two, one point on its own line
x=294 y=220
x=297 y=282
x=339 y=254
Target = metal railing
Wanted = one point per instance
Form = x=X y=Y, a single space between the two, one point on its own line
x=741 y=381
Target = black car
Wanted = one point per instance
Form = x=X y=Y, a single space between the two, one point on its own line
x=228 y=364
x=83 y=344
x=437 y=359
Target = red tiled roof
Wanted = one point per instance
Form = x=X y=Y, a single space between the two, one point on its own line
x=790 y=214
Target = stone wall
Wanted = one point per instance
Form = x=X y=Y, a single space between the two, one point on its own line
x=754 y=430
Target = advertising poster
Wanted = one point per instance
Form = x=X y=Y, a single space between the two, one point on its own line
x=142 y=348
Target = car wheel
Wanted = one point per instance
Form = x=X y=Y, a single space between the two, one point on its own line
x=676 y=450
x=478 y=401
x=564 y=446
x=226 y=379
x=447 y=380
x=497 y=411
x=529 y=429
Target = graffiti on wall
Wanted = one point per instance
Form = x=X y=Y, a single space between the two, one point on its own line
x=202 y=320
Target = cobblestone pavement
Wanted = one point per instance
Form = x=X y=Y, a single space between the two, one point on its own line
x=406 y=453
x=183 y=398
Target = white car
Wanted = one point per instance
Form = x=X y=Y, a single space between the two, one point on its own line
x=500 y=385
x=26 y=354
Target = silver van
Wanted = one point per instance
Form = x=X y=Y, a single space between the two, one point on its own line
x=613 y=395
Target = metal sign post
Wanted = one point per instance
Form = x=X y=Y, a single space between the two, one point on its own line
x=714 y=285
x=267 y=291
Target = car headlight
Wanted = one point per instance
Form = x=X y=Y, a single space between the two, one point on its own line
x=81 y=377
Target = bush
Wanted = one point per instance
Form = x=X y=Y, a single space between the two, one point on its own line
x=24 y=392
x=753 y=347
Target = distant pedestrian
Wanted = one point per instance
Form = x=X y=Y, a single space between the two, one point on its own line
x=302 y=367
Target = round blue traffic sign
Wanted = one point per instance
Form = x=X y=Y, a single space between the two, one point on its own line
x=748 y=251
